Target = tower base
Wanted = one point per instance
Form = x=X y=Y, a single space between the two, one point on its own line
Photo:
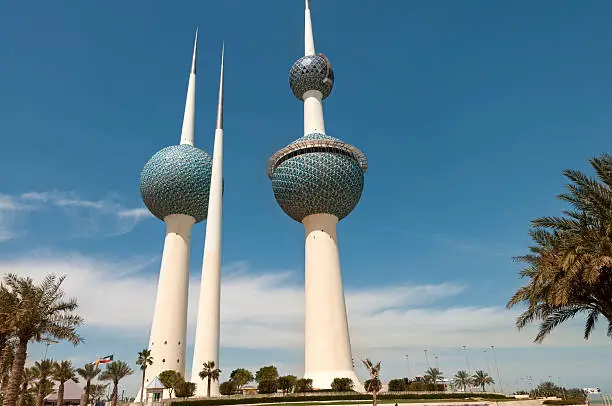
x=324 y=379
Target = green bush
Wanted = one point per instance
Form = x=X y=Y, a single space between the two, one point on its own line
x=342 y=385
x=344 y=396
x=267 y=386
x=227 y=388
x=562 y=402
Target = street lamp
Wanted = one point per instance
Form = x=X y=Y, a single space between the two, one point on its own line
x=409 y=369
x=488 y=366
x=426 y=358
x=467 y=362
x=501 y=385
x=48 y=342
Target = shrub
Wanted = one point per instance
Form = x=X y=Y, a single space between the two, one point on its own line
x=184 y=389
x=398 y=385
x=342 y=385
x=267 y=386
x=227 y=388
x=303 y=385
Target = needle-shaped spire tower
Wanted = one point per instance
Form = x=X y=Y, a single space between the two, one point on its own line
x=209 y=306
x=187 y=133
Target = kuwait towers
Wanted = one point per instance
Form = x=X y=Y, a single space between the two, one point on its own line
x=207 y=329
x=318 y=180
x=174 y=185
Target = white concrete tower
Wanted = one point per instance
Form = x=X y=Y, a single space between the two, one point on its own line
x=318 y=180
x=174 y=185
x=209 y=306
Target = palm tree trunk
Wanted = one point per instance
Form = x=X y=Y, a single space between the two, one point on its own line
x=85 y=399
x=60 y=394
x=40 y=396
x=14 y=383
x=208 y=388
x=142 y=386
x=115 y=393
x=374 y=398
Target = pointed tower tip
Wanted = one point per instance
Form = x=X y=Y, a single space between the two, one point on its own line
x=307 y=4
x=309 y=48
x=195 y=52
x=221 y=79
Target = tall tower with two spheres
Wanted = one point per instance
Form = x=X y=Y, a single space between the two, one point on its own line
x=317 y=180
x=174 y=185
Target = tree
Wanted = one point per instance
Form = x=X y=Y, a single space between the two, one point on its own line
x=373 y=384
x=398 y=385
x=114 y=372
x=481 y=378
x=211 y=373
x=184 y=389
x=268 y=373
x=170 y=378
x=433 y=375
x=43 y=370
x=286 y=383
x=266 y=386
x=88 y=373
x=40 y=312
x=241 y=377
x=25 y=395
x=569 y=267
x=303 y=385
x=63 y=372
x=144 y=360
x=97 y=392
x=228 y=388
x=342 y=385
x=462 y=380
x=7 y=356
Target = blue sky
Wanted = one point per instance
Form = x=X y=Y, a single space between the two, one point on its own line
x=467 y=111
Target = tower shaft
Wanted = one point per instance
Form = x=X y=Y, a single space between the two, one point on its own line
x=209 y=306
x=188 y=130
x=313 y=112
x=169 y=328
x=327 y=343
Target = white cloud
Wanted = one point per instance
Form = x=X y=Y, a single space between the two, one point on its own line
x=105 y=217
x=263 y=313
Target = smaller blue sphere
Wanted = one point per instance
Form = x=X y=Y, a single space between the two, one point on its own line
x=311 y=72
x=176 y=180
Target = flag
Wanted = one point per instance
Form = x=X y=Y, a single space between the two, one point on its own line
x=105 y=360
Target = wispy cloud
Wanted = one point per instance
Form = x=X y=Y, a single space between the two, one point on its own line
x=104 y=217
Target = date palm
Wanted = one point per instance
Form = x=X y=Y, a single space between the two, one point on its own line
x=211 y=373
x=7 y=356
x=29 y=375
x=41 y=312
x=43 y=370
x=88 y=373
x=481 y=378
x=97 y=392
x=433 y=375
x=63 y=372
x=569 y=267
x=144 y=360
x=462 y=380
x=374 y=384
x=114 y=372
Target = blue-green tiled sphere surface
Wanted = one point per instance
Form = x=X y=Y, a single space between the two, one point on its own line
x=176 y=180
x=311 y=72
x=318 y=182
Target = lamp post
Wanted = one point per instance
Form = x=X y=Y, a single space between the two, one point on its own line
x=426 y=358
x=501 y=385
x=408 y=365
x=467 y=362
x=488 y=366
x=48 y=342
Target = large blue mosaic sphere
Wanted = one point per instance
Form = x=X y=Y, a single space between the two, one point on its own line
x=317 y=182
x=311 y=72
x=176 y=180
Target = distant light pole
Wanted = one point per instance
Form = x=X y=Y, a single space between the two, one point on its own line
x=467 y=362
x=436 y=358
x=426 y=358
x=408 y=364
x=48 y=342
x=488 y=366
x=501 y=385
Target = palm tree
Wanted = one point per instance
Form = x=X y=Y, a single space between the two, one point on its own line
x=42 y=372
x=569 y=268
x=144 y=360
x=210 y=373
x=116 y=371
x=433 y=375
x=462 y=380
x=88 y=372
x=481 y=378
x=40 y=312
x=374 y=385
x=6 y=360
x=96 y=392
x=29 y=374
x=63 y=372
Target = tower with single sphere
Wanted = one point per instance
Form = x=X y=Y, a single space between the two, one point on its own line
x=174 y=185
x=318 y=180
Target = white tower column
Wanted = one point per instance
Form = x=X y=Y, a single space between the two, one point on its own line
x=313 y=113
x=327 y=342
x=169 y=328
x=209 y=306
